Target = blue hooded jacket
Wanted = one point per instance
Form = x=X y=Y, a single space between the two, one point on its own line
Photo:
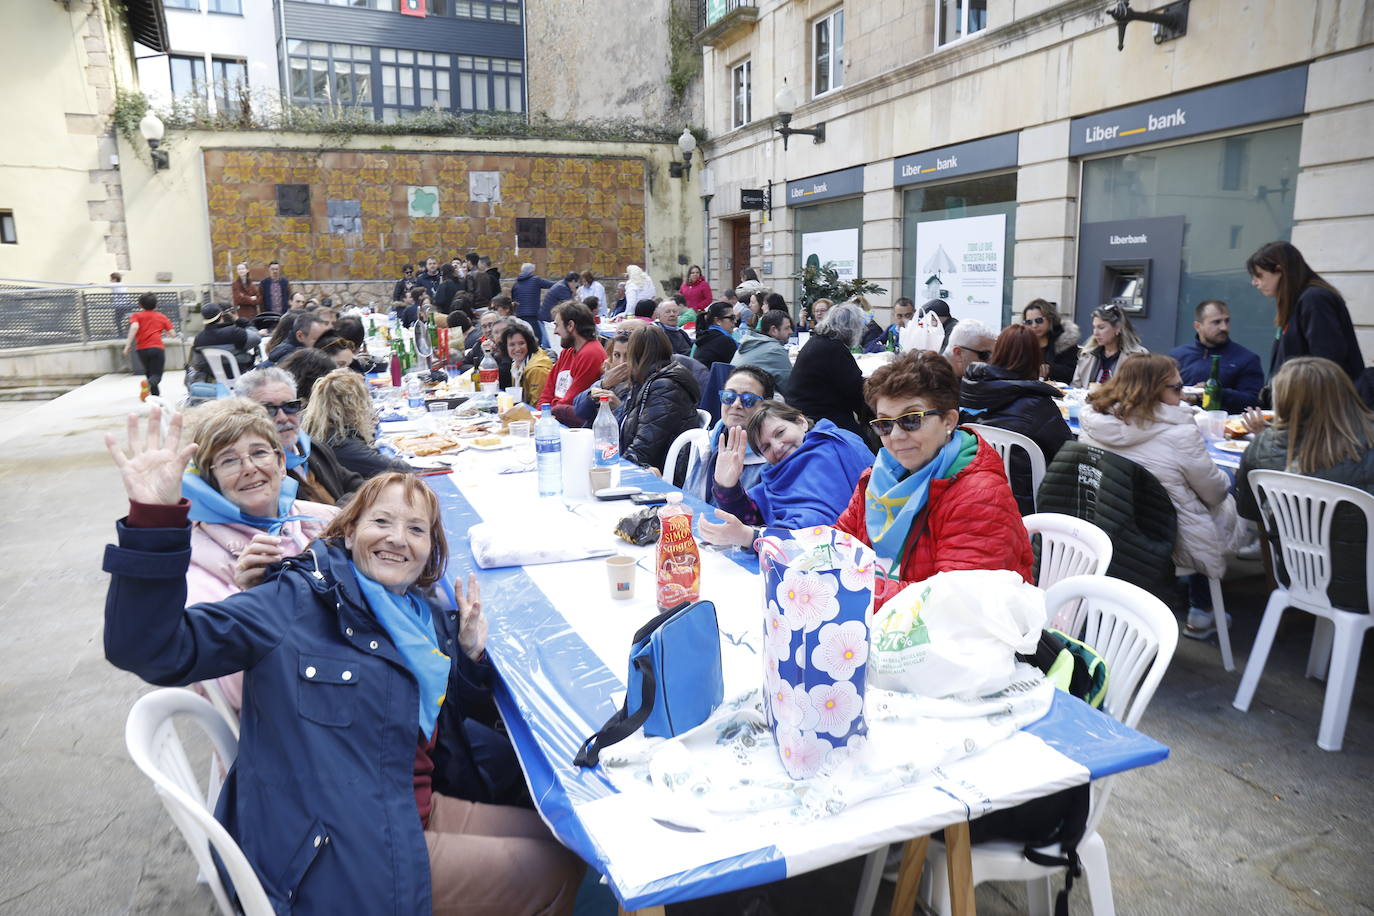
x=525 y=291
x=813 y=484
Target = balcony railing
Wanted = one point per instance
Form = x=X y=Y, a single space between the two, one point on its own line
x=719 y=18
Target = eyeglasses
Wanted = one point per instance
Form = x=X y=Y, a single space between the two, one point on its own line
x=290 y=408
x=1040 y=320
x=983 y=355
x=1176 y=389
x=232 y=465
x=748 y=400
x=909 y=422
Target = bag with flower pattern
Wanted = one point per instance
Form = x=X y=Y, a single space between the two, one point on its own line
x=818 y=595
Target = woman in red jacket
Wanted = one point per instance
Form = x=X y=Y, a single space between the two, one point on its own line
x=937 y=498
x=696 y=290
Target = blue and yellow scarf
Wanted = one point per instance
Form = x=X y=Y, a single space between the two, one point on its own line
x=896 y=496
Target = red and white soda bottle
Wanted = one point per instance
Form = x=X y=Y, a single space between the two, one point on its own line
x=677 y=560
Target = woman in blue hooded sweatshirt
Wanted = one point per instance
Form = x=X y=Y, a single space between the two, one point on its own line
x=812 y=472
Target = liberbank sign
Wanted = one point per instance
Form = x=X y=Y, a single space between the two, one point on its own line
x=1270 y=97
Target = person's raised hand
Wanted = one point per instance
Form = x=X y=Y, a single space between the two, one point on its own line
x=472 y=623
x=730 y=461
x=616 y=375
x=261 y=552
x=1255 y=420
x=730 y=531
x=152 y=469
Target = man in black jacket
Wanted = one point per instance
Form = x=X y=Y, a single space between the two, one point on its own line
x=480 y=283
x=1241 y=375
x=276 y=290
x=221 y=333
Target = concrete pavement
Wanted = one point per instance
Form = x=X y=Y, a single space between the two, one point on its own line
x=1247 y=816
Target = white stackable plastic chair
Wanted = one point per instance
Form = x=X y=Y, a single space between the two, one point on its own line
x=1300 y=510
x=156 y=749
x=222 y=364
x=695 y=441
x=1068 y=547
x=1218 y=616
x=705 y=418
x=1136 y=635
x=1004 y=440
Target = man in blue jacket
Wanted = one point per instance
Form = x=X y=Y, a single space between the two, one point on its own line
x=526 y=291
x=1241 y=375
x=559 y=293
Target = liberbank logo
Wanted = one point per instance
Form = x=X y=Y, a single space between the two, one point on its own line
x=915 y=168
x=819 y=187
x=1097 y=133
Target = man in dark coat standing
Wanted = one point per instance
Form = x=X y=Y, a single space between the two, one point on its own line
x=276 y=291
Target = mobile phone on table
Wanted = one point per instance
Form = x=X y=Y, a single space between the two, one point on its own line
x=649 y=499
x=617 y=493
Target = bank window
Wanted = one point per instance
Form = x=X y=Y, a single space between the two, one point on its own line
x=741 y=107
x=188 y=76
x=827 y=52
x=230 y=79
x=956 y=19
x=414 y=80
x=7 y=234
x=232 y=7
x=476 y=9
x=322 y=73
x=490 y=84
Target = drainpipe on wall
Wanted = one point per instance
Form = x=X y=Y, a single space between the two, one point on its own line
x=706 y=233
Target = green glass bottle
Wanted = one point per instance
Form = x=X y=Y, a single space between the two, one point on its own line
x=1211 y=392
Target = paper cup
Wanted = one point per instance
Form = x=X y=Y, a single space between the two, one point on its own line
x=600 y=478
x=621 y=572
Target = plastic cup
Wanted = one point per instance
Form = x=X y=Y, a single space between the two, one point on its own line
x=439 y=409
x=520 y=429
x=600 y=478
x=516 y=394
x=1214 y=428
x=503 y=402
x=621 y=572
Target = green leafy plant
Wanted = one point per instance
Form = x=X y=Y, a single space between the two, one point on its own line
x=684 y=55
x=129 y=109
x=822 y=281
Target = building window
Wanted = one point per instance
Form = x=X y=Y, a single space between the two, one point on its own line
x=955 y=19
x=490 y=84
x=229 y=79
x=188 y=76
x=827 y=53
x=7 y=234
x=476 y=9
x=388 y=5
x=182 y=5
x=330 y=74
x=414 y=80
x=232 y=7
x=741 y=106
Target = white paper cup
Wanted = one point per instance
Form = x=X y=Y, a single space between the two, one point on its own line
x=520 y=429
x=621 y=572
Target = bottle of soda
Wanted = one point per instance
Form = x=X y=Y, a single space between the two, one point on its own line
x=548 y=453
x=489 y=375
x=1211 y=392
x=606 y=439
x=677 y=560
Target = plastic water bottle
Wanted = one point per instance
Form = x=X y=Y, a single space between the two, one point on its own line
x=415 y=395
x=548 y=453
x=488 y=374
x=606 y=439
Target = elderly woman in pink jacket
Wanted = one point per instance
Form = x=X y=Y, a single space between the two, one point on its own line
x=243 y=508
x=1139 y=414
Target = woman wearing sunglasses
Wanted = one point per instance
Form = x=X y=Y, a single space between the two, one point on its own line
x=244 y=512
x=811 y=473
x=746 y=388
x=1058 y=339
x=937 y=498
x=1139 y=415
x=340 y=415
x=1113 y=340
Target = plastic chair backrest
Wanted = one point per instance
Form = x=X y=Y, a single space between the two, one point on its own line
x=695 y=441
x=705 y=417
x=1300 y=509
x=710 y=395
x=1004 y=440
x=222 y=364
x=156 y=749
x=1068 y=547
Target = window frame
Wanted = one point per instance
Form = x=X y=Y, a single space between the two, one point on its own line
x=744 y=67
x=964 y=33
x=411 y=71
x=200 y=88
x=475 y=78
x=225 y=102
x=191 y=6
x=305 y=52
x=12 y=236
x=833 y=51
x=236 y=11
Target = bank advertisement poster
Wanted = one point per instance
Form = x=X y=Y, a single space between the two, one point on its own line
x=838 y=248
x=961 y=261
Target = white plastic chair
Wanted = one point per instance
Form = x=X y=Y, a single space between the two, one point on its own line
x=222 y=364
x=1068 y=547
x=156 y=749
x=695 y=441
x=1136 y=635
x=705 y=418
x=1004 y=440
x=1218 y=616
x=1300 y=511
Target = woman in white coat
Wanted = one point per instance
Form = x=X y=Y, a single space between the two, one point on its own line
x=638 y=286
x=1139 y=415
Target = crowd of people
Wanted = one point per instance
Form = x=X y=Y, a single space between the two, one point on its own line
x=288 y=561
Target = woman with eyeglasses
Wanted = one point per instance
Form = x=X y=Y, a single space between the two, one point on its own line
x=937 y=498
x=1006 y=392
x=746 y=388
x=1114 y=339
x=1139 y=414
x=715 y=330
x=244 y=511
x=340 y=415
x=812 y=471
x=1058 y=339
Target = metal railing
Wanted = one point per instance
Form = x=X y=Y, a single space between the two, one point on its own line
x=33 y=314
x=709 y=12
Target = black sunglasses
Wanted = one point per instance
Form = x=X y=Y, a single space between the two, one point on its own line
x=1040 y=320
x=909 y=422
x=983 y=355
x=1177 y=389
x=290 y=408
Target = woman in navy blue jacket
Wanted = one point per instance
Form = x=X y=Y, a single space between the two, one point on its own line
x=356 y=754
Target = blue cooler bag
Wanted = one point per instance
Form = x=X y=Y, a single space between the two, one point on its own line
x=674 y=681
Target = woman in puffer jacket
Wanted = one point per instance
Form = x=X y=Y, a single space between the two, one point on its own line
x=662 y=403
x=1058 y=339
x=1139 y=414
x=1005 y=392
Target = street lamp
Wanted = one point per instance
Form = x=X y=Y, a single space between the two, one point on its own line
x=686 y=144
x=152 y=130
x=785 y=102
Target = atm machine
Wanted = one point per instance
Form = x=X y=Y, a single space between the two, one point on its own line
x=1136 y=265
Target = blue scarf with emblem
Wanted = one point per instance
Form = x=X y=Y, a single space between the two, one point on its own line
x=896 y=496
x=210 y=505
x=407 y=620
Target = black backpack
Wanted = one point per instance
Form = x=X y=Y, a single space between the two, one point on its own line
x=1062 y=818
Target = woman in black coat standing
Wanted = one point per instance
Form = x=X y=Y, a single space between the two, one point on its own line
x=662 y=402
x=826 y=383
x=714 y=327
x=1006 y=392
x=1312 y=319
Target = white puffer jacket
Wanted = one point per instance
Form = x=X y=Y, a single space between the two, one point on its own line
x=1171 y=448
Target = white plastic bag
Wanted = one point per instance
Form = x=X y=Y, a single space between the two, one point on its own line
x=955 y=634
x=924 y=333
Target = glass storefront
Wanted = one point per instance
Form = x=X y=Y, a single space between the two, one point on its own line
x=1233 y=193
x=829 y=233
